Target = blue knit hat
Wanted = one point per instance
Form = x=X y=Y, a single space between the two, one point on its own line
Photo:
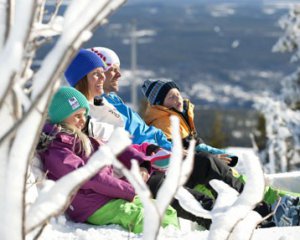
x=84 y=62
x=65 y=102
x=156 y=90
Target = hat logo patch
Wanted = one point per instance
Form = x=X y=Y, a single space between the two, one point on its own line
x=74 y=103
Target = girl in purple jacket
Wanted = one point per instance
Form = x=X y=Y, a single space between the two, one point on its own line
x=63 y=147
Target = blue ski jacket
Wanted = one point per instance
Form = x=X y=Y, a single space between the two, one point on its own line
x=136 y=126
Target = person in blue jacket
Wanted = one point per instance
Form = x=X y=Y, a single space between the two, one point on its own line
x=80 y=73
x=133 y=123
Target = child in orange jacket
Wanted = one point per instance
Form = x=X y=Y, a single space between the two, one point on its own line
x=165 y=100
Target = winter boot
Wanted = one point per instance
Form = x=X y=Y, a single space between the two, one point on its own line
x=287 y=212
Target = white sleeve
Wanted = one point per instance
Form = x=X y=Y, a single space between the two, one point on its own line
x=107 y=113
x=100 y=130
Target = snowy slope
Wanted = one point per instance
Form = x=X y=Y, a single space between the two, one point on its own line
x=60 y=228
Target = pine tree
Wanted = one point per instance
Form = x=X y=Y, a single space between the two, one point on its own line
x=260 y=133
x=282 y=112
x=218 y=138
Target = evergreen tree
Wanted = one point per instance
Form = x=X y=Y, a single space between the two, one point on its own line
x=260 y=133
x=282 y=112
x=218 y=138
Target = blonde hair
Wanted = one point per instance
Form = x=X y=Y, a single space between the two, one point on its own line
x=85 y=143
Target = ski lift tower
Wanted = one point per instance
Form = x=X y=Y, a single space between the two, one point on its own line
x=133 y=65
x=144 y=35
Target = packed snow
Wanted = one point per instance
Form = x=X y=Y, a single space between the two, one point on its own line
x=62 y=228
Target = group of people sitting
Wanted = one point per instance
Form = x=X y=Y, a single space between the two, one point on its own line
x=82 y=117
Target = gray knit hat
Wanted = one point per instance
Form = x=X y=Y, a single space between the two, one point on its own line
x=156 y=90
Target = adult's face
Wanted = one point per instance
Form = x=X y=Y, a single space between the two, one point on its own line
x=95 y=82
x=112 y=76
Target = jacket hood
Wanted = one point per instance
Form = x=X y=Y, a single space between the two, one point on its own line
x=156 y=112
x=47 y=135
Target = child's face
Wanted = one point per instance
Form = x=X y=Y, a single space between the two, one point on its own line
x=112 y=75
x=174 y=100
x=77 y=119
x=95 y=82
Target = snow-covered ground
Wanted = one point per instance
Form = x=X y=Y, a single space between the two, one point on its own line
x=61 y=228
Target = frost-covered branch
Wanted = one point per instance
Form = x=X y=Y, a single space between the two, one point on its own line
x=232 y=215
x=7 y=8
x=242 y=206
x=151 y=221
x=12 y=53
x=167 y=189
x=176 y=176
x=282 y=128
x=282 y=111
x=15 y=61
x=55 y=12
x=40 y=10
x=291 y=90
x=290 y=40
x=188 y=163
x=55 y=197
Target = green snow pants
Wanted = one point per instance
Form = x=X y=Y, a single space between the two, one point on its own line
x=129 y=215
x=271 y=194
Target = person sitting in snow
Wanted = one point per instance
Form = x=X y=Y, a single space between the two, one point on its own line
x=128 y=118
x=112 y=110
x=63 y=148
x=165 y=100
x=105 y=198
x=86 y=74
x=82 y=75
x=109 y=111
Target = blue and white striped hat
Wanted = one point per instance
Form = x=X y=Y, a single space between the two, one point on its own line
x=156 y=90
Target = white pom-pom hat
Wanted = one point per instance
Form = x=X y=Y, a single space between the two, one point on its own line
x=108 y=56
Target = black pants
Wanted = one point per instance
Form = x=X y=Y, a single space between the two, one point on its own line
x=206 y=167
x=155 y=182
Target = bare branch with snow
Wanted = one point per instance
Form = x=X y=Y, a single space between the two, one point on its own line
x=282 y=111
x=15 y=61
x=232 y=215
x=55 y=196
x=176 y=176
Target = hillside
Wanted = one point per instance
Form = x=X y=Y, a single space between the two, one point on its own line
x=224 y=49
x=218 y=53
